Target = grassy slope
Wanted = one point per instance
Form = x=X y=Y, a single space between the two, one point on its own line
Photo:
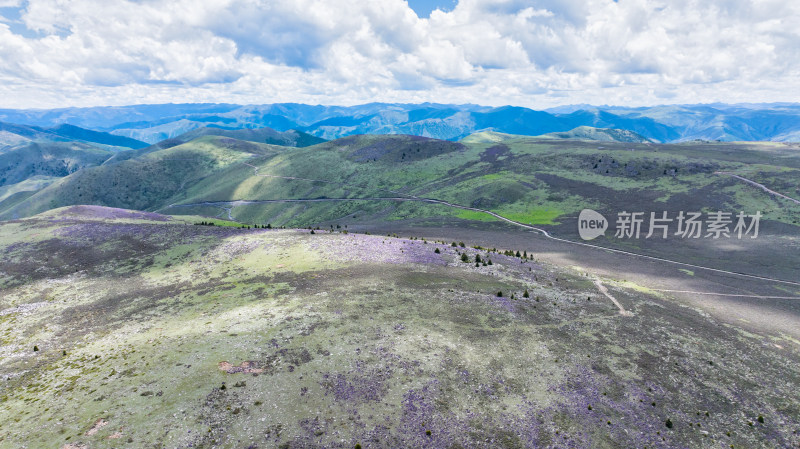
x=47 y=159
x=529 y=180
x=544 y=182
x=269 y=136
x=144 y=182
x=134 y=314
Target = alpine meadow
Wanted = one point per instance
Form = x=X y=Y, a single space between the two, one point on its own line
x=399 y=224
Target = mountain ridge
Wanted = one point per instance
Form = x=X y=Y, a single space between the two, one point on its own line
x=663 y=123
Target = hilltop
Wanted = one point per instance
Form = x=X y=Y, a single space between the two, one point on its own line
x=142 y=328
x=580 y=133
x=598 y=134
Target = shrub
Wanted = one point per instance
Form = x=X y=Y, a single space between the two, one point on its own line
x=35 y=348
x=477 y=258
x=761 y=419
x=437 y=251
x=461 y=244
x=500 y=294
x=489 y=262
x=526 y=294
x=668 y=423
x=464 y=257
x=517 y=254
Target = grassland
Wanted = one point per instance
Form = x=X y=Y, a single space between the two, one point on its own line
x=124 y=328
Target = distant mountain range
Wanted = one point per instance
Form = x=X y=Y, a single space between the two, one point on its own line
x=674 y=123
x=12 y=134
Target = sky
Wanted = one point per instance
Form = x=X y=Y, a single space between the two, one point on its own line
x=532 y=53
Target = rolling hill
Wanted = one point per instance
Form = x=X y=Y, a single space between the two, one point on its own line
x=394 y=181
x=147 y=181
x=587 y=133
x=54 y=159
x=598 y=134
x=124 y=326
x=291 y=138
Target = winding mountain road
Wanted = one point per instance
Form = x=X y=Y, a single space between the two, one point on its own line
x=761 y=186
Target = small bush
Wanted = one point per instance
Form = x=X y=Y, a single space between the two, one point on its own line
x=668 y=423
x=35 y=349
x=526 y=294
x=437 y=251
x=499 y=294
x=761 y=419
x=464 y=257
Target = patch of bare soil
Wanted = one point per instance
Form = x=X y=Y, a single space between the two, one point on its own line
x=247 y=367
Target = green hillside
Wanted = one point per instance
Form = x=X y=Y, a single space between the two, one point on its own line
x=53 y=159
x=580 y=133
x=291 y=138
x=598 y=134
x=146 y=182
x=386 y=182
x=539 y=181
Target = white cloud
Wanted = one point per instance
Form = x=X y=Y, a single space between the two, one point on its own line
x=528 y=52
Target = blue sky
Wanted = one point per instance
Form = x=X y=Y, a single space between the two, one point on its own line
x=534 y=53
x=423 y=8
